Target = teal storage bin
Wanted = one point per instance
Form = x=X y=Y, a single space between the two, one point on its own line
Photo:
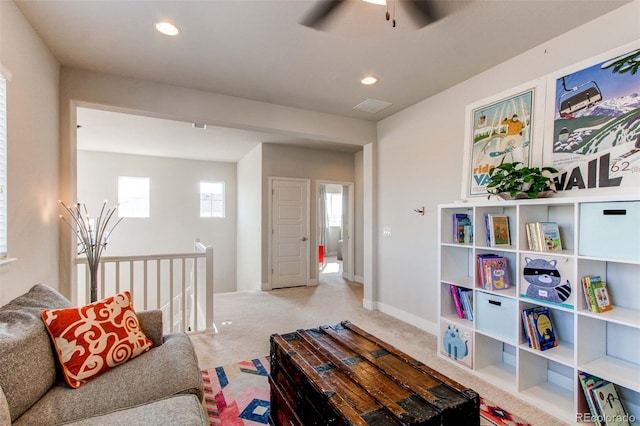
x=496 y=316
x=610 y=230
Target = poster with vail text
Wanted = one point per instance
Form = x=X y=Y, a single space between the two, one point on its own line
x=596 y=124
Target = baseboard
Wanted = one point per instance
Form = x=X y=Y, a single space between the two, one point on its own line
x=414 y=320
x=358 y=279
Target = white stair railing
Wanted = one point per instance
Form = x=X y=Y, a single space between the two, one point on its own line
x=180 y=284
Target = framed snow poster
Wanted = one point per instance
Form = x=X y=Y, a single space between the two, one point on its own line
x=593 y=131
x=503 y=128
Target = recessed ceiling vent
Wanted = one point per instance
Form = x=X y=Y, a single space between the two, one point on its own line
x=199 y=125
x=372 y=106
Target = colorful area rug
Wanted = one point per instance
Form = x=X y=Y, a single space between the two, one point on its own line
x=238 y=395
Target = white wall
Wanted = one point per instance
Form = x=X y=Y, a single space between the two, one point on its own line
x=174 y=221
x=249 y=220
x=303 y=163
x=358 y=228
x=32 y=156
x=419 y=162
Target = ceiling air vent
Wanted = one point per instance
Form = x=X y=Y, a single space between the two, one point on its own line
x=372 y=105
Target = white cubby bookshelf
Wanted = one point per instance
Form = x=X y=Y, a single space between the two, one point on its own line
x=606 y=344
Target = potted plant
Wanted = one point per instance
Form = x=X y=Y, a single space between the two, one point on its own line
x=514 y=180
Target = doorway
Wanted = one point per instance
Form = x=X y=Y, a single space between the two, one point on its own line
x=334 y=229
x=290 y=232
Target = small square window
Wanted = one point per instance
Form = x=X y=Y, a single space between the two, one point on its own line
x=133 y=196
x=211 y=199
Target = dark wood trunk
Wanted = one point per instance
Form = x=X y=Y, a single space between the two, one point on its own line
x=342 y=375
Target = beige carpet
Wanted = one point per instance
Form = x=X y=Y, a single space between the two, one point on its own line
x=245 y=320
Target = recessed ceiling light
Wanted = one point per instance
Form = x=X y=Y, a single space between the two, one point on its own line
x=369 y=80
x=167 y=28
x=381 y=2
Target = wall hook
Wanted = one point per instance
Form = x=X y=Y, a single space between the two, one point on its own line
x=420 y=210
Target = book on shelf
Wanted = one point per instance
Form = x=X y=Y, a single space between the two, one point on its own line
x=480 y=268
x=498 y=225
x=596 y=294
x=528 y=330
x=543 y=236
x=609 y=404
x=589 y=297
x=539 y=328
x=462 y=228
x=456 y=301
x=588 y=382
x=467 y=302
x=496 y=271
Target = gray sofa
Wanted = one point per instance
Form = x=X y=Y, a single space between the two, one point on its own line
x=161 y=386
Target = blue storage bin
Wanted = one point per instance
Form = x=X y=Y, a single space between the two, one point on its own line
x=497 y=316
x=610 y=230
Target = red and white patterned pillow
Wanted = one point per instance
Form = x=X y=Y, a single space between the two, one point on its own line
x=93 y=338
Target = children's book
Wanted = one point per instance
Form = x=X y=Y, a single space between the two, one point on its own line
x=550 y=236
x=496 y=272
x=601 y=294
x=467 y=302
x=480 y=268
x=528 y=330
x=589 y=382
x=610 y=405
x=589 y=297
x=456 y=301
x=462 y=228
x=499 y=228
x=599 y=300
x=543 y=327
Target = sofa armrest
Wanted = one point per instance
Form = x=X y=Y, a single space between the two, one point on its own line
x=151 y=324
x=5 y=415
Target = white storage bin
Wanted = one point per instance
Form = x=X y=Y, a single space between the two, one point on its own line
x=610 y=230
x=496 y=316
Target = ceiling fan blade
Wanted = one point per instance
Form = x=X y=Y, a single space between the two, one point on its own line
x=423 y=12
x=320 y=12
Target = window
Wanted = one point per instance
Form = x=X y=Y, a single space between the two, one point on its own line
x=334 y=209
x=211 y=199
x=133 y=196
x=3 y=166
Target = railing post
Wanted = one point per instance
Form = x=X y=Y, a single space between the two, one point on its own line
x=209 y=325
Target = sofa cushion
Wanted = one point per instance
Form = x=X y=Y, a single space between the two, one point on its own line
x=169 y=369
x=91 y=339
x=183 y=410
x=27 y=361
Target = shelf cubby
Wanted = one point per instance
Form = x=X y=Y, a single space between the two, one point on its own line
x=448 y=308
x=563 y=324
x=495 y=361
x=456 y=265
x=547 y=381
x=609 y=350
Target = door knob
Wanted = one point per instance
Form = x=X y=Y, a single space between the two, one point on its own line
x=304 y=238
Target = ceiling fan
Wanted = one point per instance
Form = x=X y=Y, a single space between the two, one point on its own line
x=423 y=11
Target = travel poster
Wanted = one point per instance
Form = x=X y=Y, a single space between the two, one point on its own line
x=501 y=132
x=596 y=126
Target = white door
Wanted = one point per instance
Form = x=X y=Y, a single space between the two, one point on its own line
x=289 y=233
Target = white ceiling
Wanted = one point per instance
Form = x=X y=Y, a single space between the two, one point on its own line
x=256 y=49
